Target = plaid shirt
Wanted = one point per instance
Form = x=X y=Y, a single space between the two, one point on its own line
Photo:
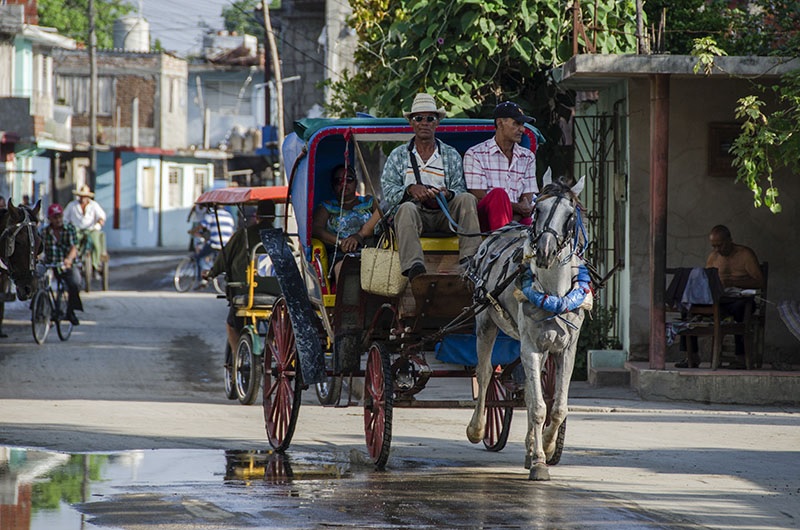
x=486 y=168
x=398 y=174
x=55 y=250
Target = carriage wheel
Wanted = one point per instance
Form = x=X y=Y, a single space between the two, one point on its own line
x=247 y=370
x=549 y=390
x=378 y=400
x=63 y=326
x=282 y=379
x=230 y=383
x=40 y=316
x=185 y=274
x=498 y=418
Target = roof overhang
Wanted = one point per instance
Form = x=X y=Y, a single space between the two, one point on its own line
x=47 y=37
x=595 y=71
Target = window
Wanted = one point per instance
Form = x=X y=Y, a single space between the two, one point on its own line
x=74 y=91
x=174 y=187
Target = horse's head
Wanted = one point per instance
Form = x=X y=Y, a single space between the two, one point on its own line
x=555 y=217
x=20 y=243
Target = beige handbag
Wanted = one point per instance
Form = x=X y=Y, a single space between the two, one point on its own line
x=380 y=268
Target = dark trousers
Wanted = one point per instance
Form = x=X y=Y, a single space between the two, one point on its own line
x=72 y=278
x=734 y=307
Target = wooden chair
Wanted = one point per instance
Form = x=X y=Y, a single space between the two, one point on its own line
x=708 y=321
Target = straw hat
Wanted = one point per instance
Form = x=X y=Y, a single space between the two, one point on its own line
x=424 y=103
x=83 y=191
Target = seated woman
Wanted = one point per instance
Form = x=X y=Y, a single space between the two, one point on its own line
x=344 y=222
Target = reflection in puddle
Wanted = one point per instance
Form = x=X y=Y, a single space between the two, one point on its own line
x=41 y=490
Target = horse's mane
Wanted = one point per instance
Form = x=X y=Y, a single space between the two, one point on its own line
x=558 y=189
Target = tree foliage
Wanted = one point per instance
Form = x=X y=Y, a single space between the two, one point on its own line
x=71 y=18
x=239 y=17
x=470 y=53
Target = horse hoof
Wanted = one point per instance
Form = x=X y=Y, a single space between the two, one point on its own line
x=528 y=461
x=539 y=471
x=473 y=436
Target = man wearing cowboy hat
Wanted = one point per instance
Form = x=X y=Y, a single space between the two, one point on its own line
x=88 y=217
x=414 y=174
x=501 y=173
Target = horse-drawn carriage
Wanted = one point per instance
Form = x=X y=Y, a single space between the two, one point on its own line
x=342 y=331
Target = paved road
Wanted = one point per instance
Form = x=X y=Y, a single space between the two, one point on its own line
x=139 y=385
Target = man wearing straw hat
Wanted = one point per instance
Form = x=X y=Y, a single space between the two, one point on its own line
x=414 y=174
x=88 y=217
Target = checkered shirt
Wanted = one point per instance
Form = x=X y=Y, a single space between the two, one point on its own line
x=55 y=250
x=486 y=168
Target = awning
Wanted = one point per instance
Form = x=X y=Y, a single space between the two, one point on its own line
x=244 y=195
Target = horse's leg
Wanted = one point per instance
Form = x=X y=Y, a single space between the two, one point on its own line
x=486 y=332
x=564 y=364
x=537 y=411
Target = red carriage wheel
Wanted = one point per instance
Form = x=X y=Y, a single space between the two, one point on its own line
x=378 y=399
x=282 y=379
x=498 y=417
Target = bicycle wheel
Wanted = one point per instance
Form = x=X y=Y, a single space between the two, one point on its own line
x=40 y=316
x=185 y=274
x=104 y=274
x=86 y=271
x=63 y=326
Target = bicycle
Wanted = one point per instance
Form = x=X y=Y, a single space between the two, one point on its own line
x=49 y=306
x=85 y=249
x=187 y=273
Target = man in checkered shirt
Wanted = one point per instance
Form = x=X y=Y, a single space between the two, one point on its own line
x=501 y=173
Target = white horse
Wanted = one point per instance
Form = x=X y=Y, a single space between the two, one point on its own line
x=543 y=309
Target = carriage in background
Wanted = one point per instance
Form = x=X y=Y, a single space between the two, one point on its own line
x=321 y=333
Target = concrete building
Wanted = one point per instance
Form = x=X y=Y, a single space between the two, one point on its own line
x=664 y=128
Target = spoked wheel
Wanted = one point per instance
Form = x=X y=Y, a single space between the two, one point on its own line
x=220 y=284
x=40 y=316
x=63 y=326
x=549 y=390
x=185 y=274
x=378 y=401
x=282 y=379
x=230 y=383
x=247 y=370
x=498 y=417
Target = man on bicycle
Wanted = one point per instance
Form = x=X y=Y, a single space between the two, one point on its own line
x=216 y=237
x=88 y=217
x=60 y=249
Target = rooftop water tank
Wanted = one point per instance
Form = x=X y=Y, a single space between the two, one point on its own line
x=132 y=34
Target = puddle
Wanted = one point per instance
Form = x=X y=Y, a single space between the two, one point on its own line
x=41 y=490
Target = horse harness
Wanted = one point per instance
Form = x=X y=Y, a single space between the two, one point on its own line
x=9 y=236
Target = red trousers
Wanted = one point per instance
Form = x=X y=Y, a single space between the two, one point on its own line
x=494 y=211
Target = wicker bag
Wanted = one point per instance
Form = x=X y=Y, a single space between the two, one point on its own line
x=380 y=268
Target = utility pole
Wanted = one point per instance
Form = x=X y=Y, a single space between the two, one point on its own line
x=271 y=47
x=92 y=98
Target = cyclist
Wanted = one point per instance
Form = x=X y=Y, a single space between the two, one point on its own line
x=216 y=237
x=88 y=217
x=60 y=249
x=238 y=254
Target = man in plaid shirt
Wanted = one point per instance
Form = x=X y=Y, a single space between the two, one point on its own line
x=501 y=173
x=61 y=248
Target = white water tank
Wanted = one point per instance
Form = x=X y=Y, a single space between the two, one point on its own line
x=132 y=34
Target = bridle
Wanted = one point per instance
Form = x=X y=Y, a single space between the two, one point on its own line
x=8 y=241
x=567 y=234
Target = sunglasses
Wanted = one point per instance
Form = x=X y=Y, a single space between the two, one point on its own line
x=420 y=119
